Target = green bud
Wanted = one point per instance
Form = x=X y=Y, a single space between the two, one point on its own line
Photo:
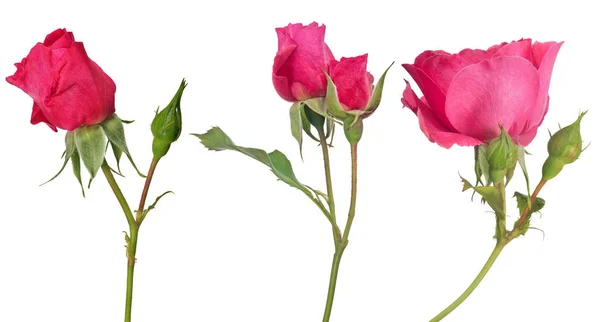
x=501 y=156
x=564 y=147
x=166 y=126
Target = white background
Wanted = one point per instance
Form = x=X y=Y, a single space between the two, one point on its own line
x=233 y=244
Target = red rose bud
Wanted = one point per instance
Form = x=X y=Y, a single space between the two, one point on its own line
x=353 y=83
x=501 y=156
x=564 y=147
x=301 y=58
x=68 y=89
x=166 y=126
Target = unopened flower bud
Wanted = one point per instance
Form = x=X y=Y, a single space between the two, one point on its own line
x=564 y=147
x=501 y=156
x=166 y=126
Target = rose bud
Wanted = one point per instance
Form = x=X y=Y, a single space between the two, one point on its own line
x=501 y=156
x=351 y=95
x=68 y=89
x=564 y=147
x=467 y=95
x=301 y=58
x=166 y=126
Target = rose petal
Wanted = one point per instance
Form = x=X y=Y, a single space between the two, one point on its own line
x=426 y=55
x=433 y=129
x=483 y=96
x=521 y=48
x=539 y=50
x=536 y=115
x=434 y=95
x=38 y=116
x=353 y=84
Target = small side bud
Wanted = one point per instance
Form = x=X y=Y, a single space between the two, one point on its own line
x=564 y=148
x=501 y=156
x=166 y=126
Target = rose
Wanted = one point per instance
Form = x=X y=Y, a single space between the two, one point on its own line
x=301 y=60
x=466 y=96
x=353 y=83
x=68 y=89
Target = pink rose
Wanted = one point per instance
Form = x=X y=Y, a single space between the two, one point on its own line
x=68 y=89
x=301 y=60
x=353 y=83
x=466 y=96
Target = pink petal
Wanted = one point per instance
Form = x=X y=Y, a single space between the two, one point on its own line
x=536 y=115
x=38 y=116
x=525 y=138
x=521 y=48
x=433 y=129
x=539 y=50
x=483 y=96
x=426 y=55
x=281 y=82
x=433 y=94
x=353 y=83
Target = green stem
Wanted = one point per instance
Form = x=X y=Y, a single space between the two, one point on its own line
x=330 y=199
x=335 y=267
x=497 y=250
x=340 y=246
x=134 y=226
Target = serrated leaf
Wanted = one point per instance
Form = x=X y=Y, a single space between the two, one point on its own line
x=215 y=139
x=296 y=123
x=75 y=162
x=90 y=142
x=490 y=194
x=523 y=200
x=113 y=128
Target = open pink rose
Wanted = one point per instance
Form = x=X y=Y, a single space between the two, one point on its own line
x=353 y=83
x=466 y=96
x=67 y=87
x=301 y=60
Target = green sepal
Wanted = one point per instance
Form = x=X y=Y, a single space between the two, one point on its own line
x=215 y=139
x=521 y=160
x=377 y=92
x=76 y=163
x=306 y=123
x=482 y=168
x=332 y=101
x=90 y=142
x=69 y=149
x=113 y=128
x=296 y=123
x=490 y=194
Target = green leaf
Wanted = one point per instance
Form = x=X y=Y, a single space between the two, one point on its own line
x=90 y=142
x=523 y=200
x=76 y=163
x=490 y=194
x=377 y=92
x=113 y=128
x=296 y=123
x=215 y=139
